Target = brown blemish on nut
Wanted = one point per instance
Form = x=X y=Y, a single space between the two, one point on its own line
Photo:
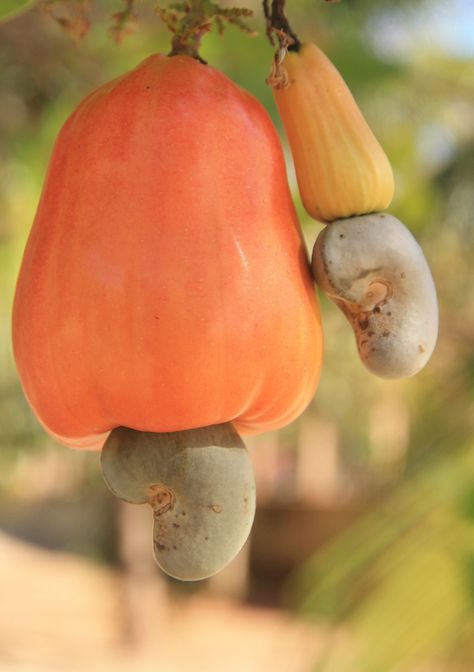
x=161 y=499
x=215 y=507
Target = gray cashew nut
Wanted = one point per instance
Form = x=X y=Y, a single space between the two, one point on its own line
x=375 y=271
x=200 y=486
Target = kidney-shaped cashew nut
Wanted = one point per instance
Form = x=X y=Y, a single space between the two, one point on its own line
x=200 y=485
x=375 y=271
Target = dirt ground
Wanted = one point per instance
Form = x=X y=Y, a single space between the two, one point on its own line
x=62 y=613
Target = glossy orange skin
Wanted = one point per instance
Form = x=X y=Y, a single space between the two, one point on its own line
x=165 y=284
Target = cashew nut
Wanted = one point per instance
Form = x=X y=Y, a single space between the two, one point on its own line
x=200 y=486
x=375 y=271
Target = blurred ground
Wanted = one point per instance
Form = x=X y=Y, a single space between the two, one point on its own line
x=60 y=612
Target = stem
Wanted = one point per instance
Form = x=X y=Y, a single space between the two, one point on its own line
x=191 y=19
x=188 y=46
x=278 y=24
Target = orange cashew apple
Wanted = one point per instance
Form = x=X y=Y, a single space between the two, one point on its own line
x=165 y=284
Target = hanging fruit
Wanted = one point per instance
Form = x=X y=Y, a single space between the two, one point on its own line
x=165 y=288
x=365 y=261
x=165 y=284
x=340 y=166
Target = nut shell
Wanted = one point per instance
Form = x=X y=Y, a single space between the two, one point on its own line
x=200 y=486
x=375 y=271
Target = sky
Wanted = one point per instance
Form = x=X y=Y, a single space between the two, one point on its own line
x=432 y=25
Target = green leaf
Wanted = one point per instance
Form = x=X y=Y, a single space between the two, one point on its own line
x=11 y=8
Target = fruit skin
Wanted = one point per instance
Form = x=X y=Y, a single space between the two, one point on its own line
x=340 y=166
x=165 y=284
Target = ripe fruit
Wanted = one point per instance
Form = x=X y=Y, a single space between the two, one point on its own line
x=340 y=166
x=165 y=285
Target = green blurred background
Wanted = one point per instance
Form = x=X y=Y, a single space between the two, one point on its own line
x=365 y=527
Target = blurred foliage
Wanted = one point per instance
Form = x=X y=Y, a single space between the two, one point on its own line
x=401 y=578
x=396 y=588
x=11 y=8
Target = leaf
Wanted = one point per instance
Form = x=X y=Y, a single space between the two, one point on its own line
x=9 y=9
